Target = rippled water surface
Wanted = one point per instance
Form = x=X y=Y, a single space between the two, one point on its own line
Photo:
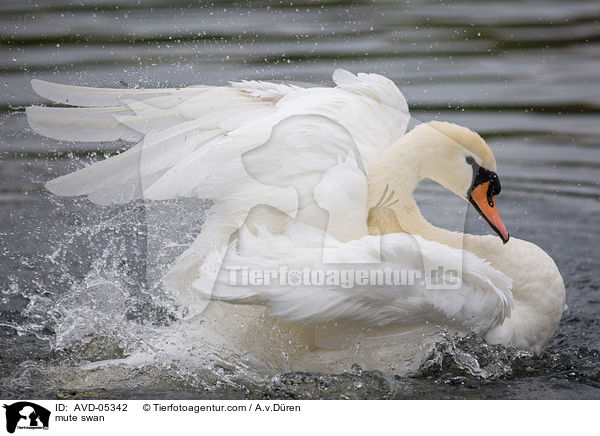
x=78 y=282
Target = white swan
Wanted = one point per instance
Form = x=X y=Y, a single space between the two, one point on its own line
x=314 y=179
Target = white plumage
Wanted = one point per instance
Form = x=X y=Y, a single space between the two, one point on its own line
x=287 y=169
x=481 y=302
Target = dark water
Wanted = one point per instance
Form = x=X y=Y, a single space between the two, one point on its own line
x=75 y=280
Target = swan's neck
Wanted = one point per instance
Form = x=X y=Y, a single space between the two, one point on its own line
x=537 y=287
x=400 y=169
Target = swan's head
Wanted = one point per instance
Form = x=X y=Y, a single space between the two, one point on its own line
x=460 y=160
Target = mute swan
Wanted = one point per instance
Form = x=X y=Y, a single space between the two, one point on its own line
x=309 y=178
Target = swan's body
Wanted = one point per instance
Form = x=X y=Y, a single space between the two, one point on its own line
x=298 y=177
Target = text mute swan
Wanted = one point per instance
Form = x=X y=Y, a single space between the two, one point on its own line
x=308 y=185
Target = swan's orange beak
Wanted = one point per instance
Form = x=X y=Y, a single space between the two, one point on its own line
x=483 y=201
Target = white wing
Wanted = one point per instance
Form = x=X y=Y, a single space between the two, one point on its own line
x=481 y=299
x=190 y=143
x=178 y=130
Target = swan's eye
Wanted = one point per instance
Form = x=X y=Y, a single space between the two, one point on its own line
x=470 y=160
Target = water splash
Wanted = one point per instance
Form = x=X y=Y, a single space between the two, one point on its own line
x=460 y=356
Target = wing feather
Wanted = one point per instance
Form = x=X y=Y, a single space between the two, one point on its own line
x=207 y=127
x=481 y=301
x=100 y=97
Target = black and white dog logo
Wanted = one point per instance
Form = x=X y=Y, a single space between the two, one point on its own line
x=26 y=415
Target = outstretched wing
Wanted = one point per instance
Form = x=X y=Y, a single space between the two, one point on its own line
x=202 y=126
x=192 y=142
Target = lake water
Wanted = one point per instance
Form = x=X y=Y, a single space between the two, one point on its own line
x=77 y=289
